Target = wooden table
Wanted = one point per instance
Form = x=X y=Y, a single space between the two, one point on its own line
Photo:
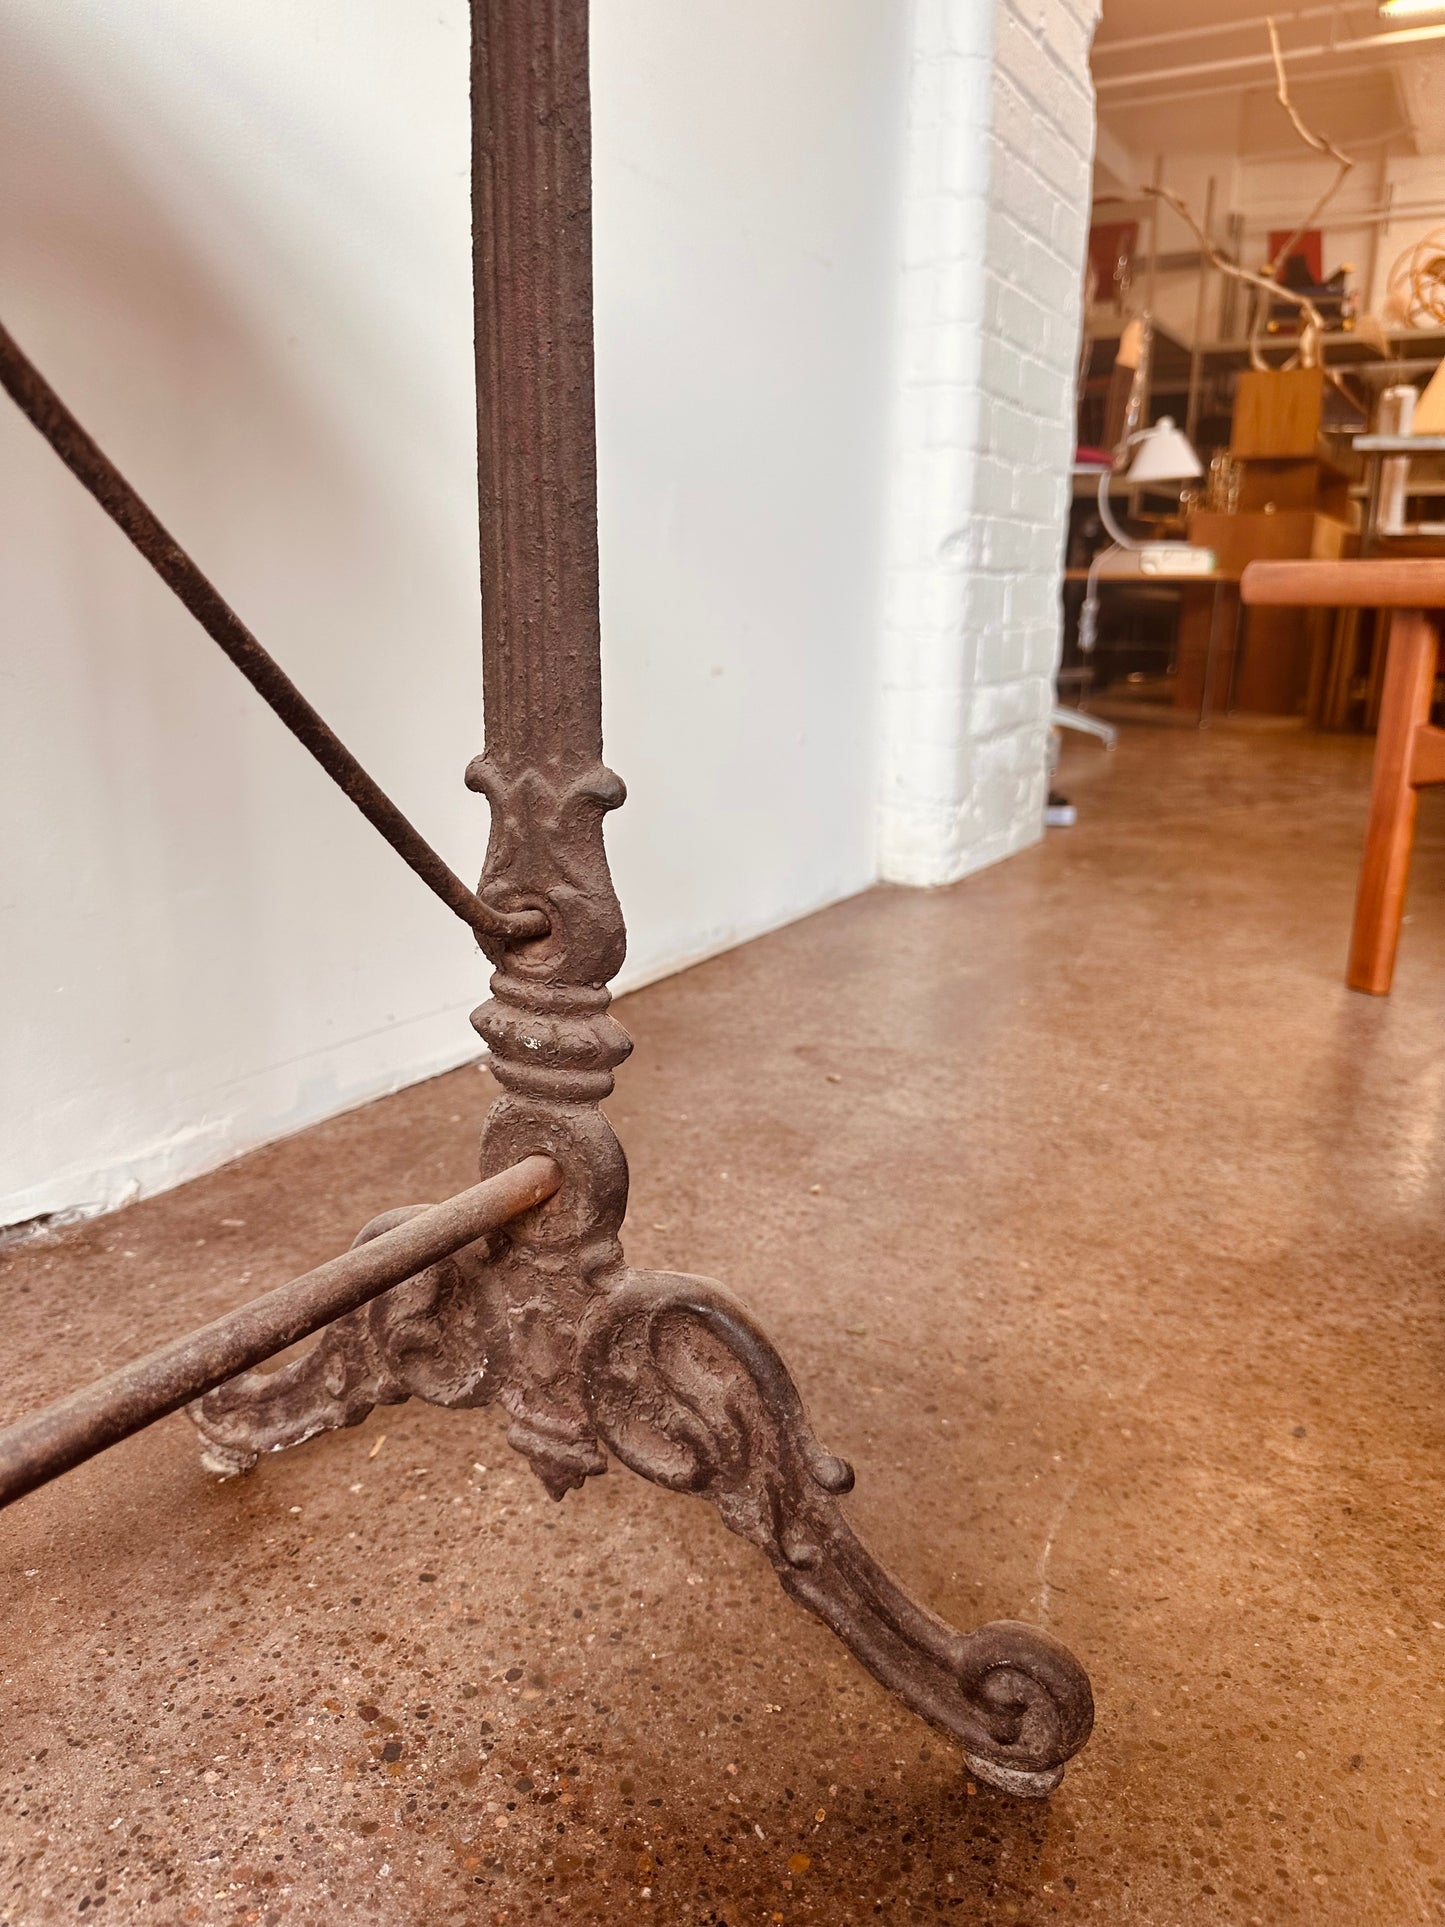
x=1208 y=622
x=1409 y=753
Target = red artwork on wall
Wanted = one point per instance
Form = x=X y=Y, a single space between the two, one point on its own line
x=1308 y=248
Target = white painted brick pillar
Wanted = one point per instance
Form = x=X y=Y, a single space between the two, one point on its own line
x=996 y=186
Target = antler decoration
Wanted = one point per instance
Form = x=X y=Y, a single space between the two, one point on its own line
x=667 y=1373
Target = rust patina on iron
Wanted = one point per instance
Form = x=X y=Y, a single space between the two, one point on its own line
x=388 y=1253
x=668 y=1373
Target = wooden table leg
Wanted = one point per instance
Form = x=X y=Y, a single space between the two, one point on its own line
x=1412 y=647
x=1206 y=646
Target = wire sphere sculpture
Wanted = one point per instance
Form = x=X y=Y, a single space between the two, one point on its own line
x=1415 y=292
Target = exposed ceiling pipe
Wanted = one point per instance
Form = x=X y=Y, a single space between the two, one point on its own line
x=1122 y=208
x=1134 y=41
x=1344 y=218
x=1235 y=89
x=1239 y=90
x=1235 y=62
x=1359 y=144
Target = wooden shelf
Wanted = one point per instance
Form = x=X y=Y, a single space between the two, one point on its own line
x=1343 y=348
x=1170 y=355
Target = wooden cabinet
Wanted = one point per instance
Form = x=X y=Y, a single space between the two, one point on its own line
x=1277 y=413
x=1276 y=647
x=1293 y=506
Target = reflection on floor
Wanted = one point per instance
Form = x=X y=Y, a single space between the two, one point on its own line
x=1101 y=1225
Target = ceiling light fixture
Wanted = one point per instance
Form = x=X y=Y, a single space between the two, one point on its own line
x=1409 y=9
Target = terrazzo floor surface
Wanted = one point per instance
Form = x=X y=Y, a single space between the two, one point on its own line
x=1101 y=1227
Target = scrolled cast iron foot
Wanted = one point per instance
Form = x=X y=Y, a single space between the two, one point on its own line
x=687 y=1391
x=440 y=1335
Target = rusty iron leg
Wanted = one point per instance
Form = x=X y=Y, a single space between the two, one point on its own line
x=518 y=1292
x=396 y=1249
x=668 y=1373
x=1407 y=756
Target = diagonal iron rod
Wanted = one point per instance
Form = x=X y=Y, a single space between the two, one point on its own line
x=49 y=1442
x=38 y=401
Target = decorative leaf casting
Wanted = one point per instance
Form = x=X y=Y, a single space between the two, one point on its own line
x=502 y=1320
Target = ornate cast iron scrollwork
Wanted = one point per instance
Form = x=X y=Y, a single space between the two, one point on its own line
x=680 y=1384
x=670 y=1374
x=687 y=1390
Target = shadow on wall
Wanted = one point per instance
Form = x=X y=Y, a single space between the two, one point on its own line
x=191 y=904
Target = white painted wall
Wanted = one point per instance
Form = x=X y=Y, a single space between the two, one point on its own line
x=235 y=236
x=746 y=208
x=998 y=163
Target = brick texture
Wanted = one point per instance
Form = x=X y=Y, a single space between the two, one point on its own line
x=996 y=182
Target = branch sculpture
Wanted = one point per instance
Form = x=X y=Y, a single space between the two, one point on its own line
x=1309 y=353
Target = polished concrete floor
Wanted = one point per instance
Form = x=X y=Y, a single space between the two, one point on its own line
x=1101 y=1226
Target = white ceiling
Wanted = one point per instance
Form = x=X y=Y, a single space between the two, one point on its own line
x=1202 y=78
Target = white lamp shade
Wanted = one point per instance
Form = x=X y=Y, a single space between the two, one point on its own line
x=1163 y=454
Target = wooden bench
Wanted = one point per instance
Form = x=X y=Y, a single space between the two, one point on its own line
x=1409 y=753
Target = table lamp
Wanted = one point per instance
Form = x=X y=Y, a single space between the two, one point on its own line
x=1161 y=454
x=1150 y=458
